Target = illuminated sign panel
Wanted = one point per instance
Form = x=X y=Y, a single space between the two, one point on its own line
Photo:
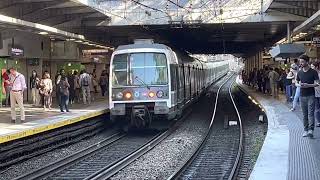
x=16 y=52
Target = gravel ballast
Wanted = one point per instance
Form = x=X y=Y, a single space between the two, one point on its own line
x=170 y=154
x=42 y=160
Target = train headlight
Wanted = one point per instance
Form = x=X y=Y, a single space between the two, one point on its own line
x=160 y=94
x=128 y=95
x=119 y=95
x=151 y=94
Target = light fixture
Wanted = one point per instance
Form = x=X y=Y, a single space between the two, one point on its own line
x=43 y=33
x=78 y=41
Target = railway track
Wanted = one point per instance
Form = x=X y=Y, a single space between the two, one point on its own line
x=104 y=159
x=20 y=150
x=219 y=154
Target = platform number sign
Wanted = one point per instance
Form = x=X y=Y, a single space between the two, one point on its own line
x=316 y=41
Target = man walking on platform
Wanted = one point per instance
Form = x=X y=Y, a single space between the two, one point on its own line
x=307 y=79
x=18 y=84
x=85 y=81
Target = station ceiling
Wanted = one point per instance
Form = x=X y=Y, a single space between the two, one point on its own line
x=210 y=38
x=304 y=8
x=235 y=38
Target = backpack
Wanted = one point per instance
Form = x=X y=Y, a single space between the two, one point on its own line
x=63 y=88
x=85 y=81
x=103 y=80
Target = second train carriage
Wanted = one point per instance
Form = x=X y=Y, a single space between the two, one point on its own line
x=149 y=80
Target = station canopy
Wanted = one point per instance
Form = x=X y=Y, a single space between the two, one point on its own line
x=197 y=26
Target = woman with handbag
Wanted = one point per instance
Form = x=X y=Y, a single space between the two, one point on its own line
x=46 y=88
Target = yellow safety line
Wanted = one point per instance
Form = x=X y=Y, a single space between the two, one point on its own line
x=37 y=130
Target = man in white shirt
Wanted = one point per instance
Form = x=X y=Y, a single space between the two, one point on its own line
x=85 y=83
x=18 y=84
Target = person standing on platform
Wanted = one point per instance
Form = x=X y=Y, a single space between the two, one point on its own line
x=295 y=89
x=46 y=91
x=7 y=86
x=307 y=79
x=72 y=88
x=317 y=95
x=58 y=79
x=77 y=86
x=103 y=81
x=85 y=81
x=273 y=78
x=18 y=84
x=267 y=80
x=34 y=86
x=288 y=84
x=64 y=93
x=95 y=81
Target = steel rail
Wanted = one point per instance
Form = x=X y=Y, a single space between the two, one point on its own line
x=115 y=167
x=240 y=147
x=186 y=164
x=60 y=164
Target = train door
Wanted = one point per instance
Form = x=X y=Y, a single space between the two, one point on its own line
x=190 y=82
x=184 y=82
x=181 y=84
x=174 y=89
x=186 y=76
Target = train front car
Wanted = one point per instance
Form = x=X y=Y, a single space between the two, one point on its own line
x=140 y=83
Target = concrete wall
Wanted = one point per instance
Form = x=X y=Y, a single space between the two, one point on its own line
x=35 y=46
x=65 y=50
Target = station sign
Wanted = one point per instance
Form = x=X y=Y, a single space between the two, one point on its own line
x=16 y=52
x=94 y=52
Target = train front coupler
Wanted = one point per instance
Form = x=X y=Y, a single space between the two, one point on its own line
x=140 y=116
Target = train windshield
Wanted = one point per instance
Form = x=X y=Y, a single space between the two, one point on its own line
x=140 y=69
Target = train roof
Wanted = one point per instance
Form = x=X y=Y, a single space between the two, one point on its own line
x=140 y=46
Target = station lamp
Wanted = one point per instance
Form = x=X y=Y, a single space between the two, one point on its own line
x=43 y=33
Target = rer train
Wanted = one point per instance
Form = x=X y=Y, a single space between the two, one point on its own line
x=149 y=80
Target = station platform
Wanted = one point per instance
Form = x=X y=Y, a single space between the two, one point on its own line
x=285 y=154
x=38 y=120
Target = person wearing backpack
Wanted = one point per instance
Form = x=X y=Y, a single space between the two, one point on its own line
x=85 y=81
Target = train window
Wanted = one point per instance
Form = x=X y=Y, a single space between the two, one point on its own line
x=151 y=68
x=120 y=68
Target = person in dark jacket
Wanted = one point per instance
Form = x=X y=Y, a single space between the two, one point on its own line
x=64 y=87
x=34 y=86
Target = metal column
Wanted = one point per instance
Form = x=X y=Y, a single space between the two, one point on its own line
x=289 y=32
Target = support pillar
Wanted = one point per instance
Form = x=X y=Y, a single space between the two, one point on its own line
x=289 y=32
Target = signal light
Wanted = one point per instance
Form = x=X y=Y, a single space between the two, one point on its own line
x=160 y=94
x=119 y=95
x=151 y=94
x=128 y=95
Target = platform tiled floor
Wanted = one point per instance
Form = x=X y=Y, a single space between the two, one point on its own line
x=38 y=120
x=296 y=159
